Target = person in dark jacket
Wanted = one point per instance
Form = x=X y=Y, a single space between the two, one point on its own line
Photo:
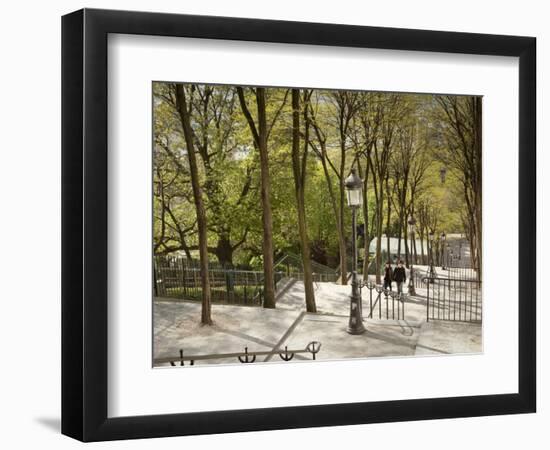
x=388 y=276
x=399 y=276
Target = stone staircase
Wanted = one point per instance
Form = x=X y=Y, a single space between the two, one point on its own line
x=419 y=337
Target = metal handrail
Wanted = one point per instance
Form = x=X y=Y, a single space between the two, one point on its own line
x=449 y=300
x=320 y=272
x=447 y=279
x=317 y=267
x=244 y=357
x=387 y=293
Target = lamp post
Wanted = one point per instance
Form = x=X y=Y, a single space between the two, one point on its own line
x=412 y=223
x=431 y=235
x=442 y=238
x=353 y=185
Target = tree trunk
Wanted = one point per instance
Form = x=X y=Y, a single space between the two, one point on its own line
x=336 y=203
x=399 y=236
x=402 y=197
x=407 y=250
x=422 y=259
x=341 y=211
x=339 y=225
x=379 y=223
x=366 y=256
x=377 y=213
x=260 y=134
x=414 y=253
x=206 y=318
x=366 y=250
x=267 y=244
x=388 y=219
x=478 y=141
x=299 y=172
x=224 y=251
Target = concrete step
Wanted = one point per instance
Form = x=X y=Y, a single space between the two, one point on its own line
x=445 y=337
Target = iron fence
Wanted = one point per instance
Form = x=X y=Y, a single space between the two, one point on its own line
x=422 y=275
x=180 y=278
x=453 y=299
x=292 y=266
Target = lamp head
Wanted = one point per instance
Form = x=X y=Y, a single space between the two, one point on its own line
x=354 y=192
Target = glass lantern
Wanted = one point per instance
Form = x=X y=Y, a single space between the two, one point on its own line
x=354 y=191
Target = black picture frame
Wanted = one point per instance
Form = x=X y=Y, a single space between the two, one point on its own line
x=84 y=224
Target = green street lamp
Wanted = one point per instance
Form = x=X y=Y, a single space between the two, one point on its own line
x=354 y=194
x=411 y=222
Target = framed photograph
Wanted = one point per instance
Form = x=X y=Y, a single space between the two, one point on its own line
x=273 y=224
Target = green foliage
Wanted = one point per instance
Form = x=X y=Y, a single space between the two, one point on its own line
x=230 y=176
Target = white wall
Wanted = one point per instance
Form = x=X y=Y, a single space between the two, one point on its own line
x=30 y=220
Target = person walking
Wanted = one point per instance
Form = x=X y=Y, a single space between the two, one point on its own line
x=399 y=276
x=388 y=276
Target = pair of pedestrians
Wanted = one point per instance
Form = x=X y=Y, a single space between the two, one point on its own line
x=398 y=275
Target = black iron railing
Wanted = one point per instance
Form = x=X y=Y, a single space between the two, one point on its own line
x=180 y=278
x=244 y=357
x=422 y=275
x=382 y=303
x=460 y=273
x=291 y=265
x=453 y=299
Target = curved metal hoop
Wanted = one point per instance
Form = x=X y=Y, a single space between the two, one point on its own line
x=246 y=358
x=286 y=356
x=313 y=347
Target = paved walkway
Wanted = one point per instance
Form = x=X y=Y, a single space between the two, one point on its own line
x=331 y=298
x=176 y=326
